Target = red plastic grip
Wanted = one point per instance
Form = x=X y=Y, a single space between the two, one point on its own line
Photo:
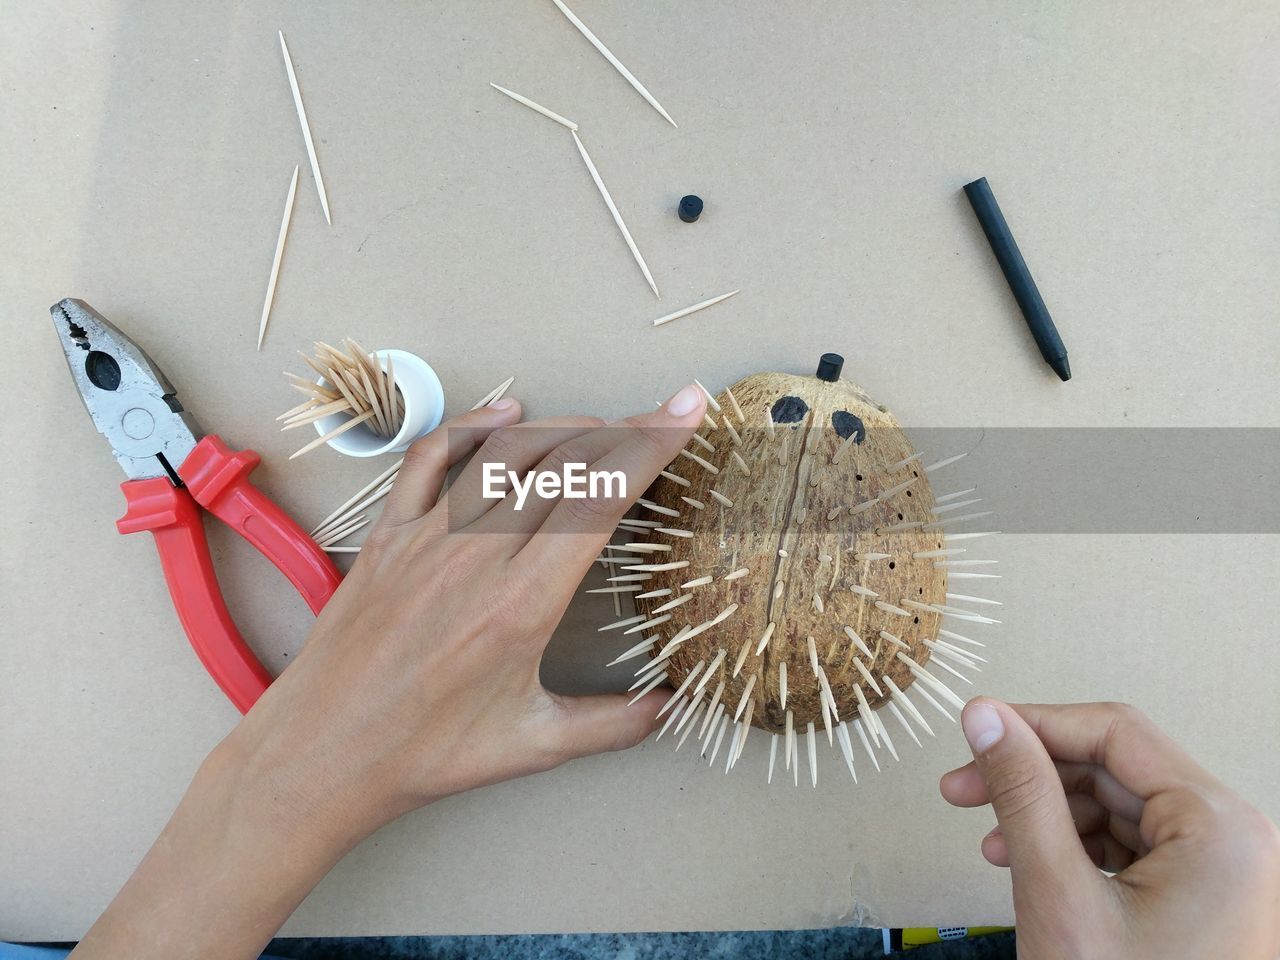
x=218 y=479
x=178 y=527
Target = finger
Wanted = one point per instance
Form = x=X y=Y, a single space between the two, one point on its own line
x=1137 y=753
x=995 y=849
x=524 y=517
x=1128 y=835
x=517 y=449
x=427 y=461
x=1102 y=786
x=964 y=787
x=597 y=724
x=1088 y=815
x=576 y=529
x=1026 y=794
x=1106 y=852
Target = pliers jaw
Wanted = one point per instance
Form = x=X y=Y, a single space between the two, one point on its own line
x=131 y=401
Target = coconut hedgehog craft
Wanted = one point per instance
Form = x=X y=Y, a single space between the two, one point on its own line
x=790 y=572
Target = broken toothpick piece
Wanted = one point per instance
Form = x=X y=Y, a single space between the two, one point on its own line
x=694 y=309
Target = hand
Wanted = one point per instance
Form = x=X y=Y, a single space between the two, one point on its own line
x=1097 y=785
x=420 y=679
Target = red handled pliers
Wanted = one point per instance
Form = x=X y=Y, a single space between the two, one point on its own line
x=172 y=466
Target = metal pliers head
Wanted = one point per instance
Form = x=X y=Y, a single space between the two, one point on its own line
x=131 y=401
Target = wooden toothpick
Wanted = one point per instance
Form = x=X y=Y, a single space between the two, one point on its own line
x=654 y=683
x=957 y=505
x=846 y=748
x=693 y=675
x=866 y=744
x=897 y=714
x=644 y=646
x=746 y=697
x=336 y=432
x=902 y=700
x=690 y=718
x=613 y=210
x=711 y=400
x=306 y=129
x=617 y=64
x=724 y=723
x=943 y=463
x=896 y=489
x=764 y=639
x=693 y=309
x=731 y=430
x=535 y=106
x=680 y=705
x=275 y=260
x=813 y=755
x=858 y=642
x=713 y=470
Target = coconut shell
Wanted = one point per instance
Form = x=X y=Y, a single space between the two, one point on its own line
x=781 y=530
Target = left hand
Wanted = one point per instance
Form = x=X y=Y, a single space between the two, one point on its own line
x=420 y=679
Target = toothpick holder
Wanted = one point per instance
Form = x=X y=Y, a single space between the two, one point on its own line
x=423 y=409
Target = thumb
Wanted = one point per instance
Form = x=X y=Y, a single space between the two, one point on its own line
x=597 y=724
x=1027 y=796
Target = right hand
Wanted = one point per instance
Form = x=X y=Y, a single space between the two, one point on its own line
x=1079 y=787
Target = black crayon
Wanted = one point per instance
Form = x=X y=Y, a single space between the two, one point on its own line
x=1018 y=276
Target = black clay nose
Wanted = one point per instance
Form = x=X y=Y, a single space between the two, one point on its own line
x=690 y=208
x=829 y=367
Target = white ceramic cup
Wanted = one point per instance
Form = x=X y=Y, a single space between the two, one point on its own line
x=423 y=409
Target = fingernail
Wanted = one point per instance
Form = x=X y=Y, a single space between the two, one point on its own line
x=685 y=402
x=506 y=403
x=995 y=832
x=983 y=727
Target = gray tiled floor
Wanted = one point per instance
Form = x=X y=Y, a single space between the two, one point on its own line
x=839 y=944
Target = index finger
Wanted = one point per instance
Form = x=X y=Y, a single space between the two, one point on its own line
x=576 y=529
x=1118 y=737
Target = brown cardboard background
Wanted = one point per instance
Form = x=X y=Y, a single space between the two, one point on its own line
x=146 y=151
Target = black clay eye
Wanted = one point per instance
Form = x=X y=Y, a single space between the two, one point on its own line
x=847 y=425
x=789 y=410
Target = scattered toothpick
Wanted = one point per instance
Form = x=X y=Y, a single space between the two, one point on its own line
x=535 y=106
x=694 y=309
x=613 y=210
x=275 y=260
x=617 y=64
x=306 y=129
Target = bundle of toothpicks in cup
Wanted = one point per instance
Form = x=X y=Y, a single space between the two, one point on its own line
x=347 y=519
x=353 y=383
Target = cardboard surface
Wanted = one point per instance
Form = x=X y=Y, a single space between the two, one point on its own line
x=146 y=156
